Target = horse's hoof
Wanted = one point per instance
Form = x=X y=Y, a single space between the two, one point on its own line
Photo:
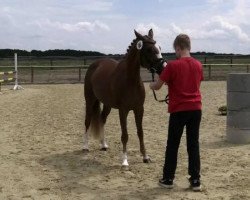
x=147 y=160
x=125 y=167
x=104 y=149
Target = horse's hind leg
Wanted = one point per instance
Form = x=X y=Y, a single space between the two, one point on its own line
x=105 y=112
x=88 y=116
x=138 y=120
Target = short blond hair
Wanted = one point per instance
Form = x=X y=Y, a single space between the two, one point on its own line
x=182 y=41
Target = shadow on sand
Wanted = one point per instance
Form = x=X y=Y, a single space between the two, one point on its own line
x=74 y=170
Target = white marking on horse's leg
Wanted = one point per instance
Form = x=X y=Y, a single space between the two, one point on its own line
x=104 y=144
x=86 y=141
x=146 y=157
x=124 y=160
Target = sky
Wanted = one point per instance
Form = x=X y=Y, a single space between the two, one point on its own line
x=107 y=26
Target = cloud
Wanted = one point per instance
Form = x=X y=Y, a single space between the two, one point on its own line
x=176 y=29
x=217 y=28
x=240 y=13
x=84 y=26
x=159 y=32
x=215 y=31
x=144 y=28
x=215 y=1
x=207 y=31
x=6 y=18
x=232 y=30
x=74 y=27
x=95 y=6
x=107 y=25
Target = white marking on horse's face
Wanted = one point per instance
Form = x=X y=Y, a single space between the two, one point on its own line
x=159 y=50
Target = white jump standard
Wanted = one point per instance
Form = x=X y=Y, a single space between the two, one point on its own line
x=10 y=76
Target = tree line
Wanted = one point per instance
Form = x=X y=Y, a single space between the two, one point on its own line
x=78 y=53
x=55 y=52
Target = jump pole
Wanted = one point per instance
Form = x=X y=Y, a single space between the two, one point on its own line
x=16 y=87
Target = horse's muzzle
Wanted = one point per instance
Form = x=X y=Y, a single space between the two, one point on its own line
x=157 y=66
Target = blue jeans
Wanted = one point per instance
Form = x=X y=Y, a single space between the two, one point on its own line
x=177 y=122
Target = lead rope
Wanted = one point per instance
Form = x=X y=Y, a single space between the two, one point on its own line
x=166 y=100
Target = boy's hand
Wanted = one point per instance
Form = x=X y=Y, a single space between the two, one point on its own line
x=151 y=85
x=156 y=85
x=159 y=68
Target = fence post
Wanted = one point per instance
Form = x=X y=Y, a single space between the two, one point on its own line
x=80 y=75
x=205 y=60
x=231 y=61
x=84 y=61
x=209 y=72
x=247 y=68
x=32 y=74
x=51 y=64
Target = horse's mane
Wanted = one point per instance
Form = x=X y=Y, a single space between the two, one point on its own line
x=130 y=46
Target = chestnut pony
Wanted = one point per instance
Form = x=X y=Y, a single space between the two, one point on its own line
x=117 y=84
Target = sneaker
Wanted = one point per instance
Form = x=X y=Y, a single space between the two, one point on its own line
x=167 y=183
x=195 y=184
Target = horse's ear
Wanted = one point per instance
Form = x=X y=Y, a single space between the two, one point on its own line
x=150 y=33
x=138 y=35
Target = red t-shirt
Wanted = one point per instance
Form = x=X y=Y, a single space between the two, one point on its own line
x=183 y=77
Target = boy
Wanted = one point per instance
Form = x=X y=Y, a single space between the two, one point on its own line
x=183 y=77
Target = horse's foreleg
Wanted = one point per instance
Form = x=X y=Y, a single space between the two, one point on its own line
x=105 y=112
x=124 y=137
x=138 y=120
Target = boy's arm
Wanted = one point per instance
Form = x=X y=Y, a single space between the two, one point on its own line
x=163 y=78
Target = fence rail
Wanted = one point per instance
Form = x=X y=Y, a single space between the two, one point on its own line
x=73 y=69
x=220 y=71
x=75 y=74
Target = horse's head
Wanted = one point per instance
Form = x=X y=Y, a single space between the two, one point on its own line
x=150 y=52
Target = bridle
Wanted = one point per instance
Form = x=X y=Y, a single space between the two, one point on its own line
x=158 y=69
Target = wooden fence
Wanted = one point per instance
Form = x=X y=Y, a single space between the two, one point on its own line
x=221 y=71
x=75 y=74
x=72 y=69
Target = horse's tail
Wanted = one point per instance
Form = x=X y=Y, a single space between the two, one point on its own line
x=96 y=123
